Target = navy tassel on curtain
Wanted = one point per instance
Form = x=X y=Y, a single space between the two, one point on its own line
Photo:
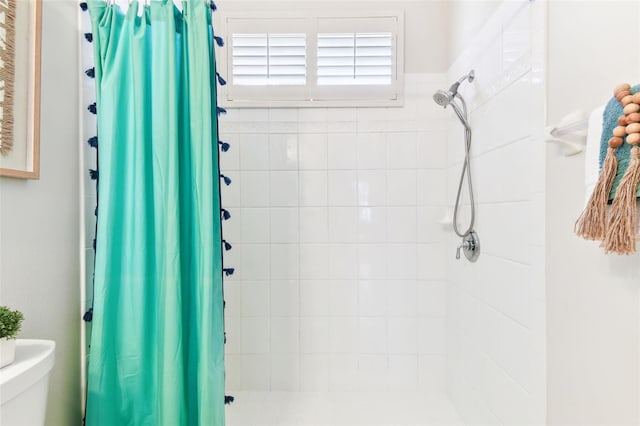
x=226 y=179
x=93 y=142
x=88 y=316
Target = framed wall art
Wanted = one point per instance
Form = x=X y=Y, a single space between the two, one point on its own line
x=20 y=40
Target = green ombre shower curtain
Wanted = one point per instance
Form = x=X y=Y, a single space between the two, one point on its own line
x=156 y=355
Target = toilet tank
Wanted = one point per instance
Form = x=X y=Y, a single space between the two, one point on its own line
x=24 y=384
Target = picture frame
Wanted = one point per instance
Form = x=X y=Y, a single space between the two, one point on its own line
x=20 y=89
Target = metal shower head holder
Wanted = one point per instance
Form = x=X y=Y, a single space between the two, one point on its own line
x=444 y=98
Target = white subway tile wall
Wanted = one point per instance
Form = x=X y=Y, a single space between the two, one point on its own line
x=495 y=313
x=334 y=223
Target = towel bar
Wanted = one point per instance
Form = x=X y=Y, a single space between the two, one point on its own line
x=571 y=133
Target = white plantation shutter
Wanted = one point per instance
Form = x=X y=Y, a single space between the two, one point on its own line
x=249 y=54
x=355 y=59
x=308 y=59
x=268 y=59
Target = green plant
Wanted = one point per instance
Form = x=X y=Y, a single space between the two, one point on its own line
x=10 y=322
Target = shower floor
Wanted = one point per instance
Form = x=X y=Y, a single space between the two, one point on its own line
x=340 y=409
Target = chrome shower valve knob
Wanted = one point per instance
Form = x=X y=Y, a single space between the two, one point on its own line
x=470 y=246
x=463 y=244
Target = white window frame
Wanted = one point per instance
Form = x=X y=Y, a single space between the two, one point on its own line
x=307 y=17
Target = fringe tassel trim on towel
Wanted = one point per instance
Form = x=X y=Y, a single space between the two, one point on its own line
x=621 y=236
x=591 y=224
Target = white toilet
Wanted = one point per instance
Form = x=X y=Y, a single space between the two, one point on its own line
x=24 y=384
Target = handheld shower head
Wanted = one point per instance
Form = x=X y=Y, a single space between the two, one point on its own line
x=444 y=98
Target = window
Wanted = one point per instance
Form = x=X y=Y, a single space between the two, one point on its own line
x=307 y=58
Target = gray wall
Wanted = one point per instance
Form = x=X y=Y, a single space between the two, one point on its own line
x=593 y=300
x=39 y=219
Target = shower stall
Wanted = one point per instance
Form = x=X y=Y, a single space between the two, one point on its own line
x=348 y=305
